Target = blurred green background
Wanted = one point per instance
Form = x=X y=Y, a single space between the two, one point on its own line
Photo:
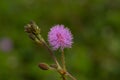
x=95 y=25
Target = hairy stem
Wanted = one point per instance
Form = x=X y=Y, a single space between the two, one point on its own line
x=63 y=61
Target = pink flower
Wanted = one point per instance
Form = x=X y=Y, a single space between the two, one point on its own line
x=60 y=37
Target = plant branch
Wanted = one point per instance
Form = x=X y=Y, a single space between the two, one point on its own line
x=73 y=78
x=34 y=33
x=50 y=51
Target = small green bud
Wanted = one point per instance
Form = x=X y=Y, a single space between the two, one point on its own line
x=32 y=36
x=32 y=28
x=28 y=28
x=34 y=32
x=35 y=29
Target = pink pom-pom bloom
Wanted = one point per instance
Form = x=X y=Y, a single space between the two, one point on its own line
x=60 y=37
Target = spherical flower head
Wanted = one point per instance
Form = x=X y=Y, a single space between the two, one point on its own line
x=60 y=37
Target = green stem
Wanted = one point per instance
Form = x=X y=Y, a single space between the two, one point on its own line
x=52 y=55
x=63 y=61
x=63 y=65
x=64 y=68
x=50 y=51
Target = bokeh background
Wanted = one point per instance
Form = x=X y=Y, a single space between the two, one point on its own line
x=95 y=25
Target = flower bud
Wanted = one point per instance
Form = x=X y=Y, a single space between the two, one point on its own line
x=28 y=28
x=32 y=28
x=31 y=36
x=35 y=29
x=44 y=66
